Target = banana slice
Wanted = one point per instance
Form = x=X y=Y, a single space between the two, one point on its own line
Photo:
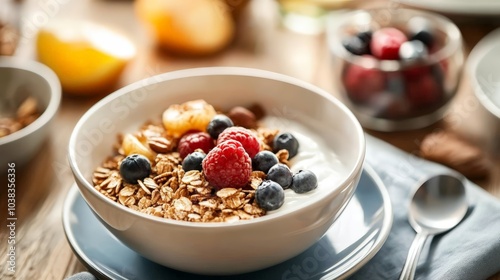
x=132 y=145
x=192 y=115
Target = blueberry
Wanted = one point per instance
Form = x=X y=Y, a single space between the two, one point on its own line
x=304 y=181
x=365 y=35
x=413 y=50
x=218 y=124
x=423 y=36
x=280 y=174
x=263 y=161
x=269 y=195
x=135 y=167
x=356 y=45
x=193 y=161
x=288 y=142
x=420 y=29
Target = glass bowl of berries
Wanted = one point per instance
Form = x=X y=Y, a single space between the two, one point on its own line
x=396 y=69
x=222 y=179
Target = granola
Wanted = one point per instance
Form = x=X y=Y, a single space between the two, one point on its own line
x=170 y=191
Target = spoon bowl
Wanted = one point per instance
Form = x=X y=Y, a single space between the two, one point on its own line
x=438 y=204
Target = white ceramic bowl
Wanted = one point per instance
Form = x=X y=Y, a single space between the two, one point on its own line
x=18 y=80
x=484 y=73
x=220 y=248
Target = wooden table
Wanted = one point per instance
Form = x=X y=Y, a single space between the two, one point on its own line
x=42 y=250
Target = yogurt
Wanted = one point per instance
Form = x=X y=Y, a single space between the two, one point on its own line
x=314 y=155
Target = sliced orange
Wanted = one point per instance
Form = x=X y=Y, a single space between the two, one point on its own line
x=194 y=27
x=88 y=58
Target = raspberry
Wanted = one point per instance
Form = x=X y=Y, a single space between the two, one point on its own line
x=424 y=92
x=242 y=135
x=386 y=42
x=196 y=140
x=363 y=84
x=227 y=165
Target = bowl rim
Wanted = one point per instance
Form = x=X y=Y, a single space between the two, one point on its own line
x=334 y=40
x=214 y=71
x=38 y=69
x=477 y=54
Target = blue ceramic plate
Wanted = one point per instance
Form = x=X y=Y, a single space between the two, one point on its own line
x=351 y=242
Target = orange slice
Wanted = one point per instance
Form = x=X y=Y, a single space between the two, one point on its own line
x=194 y=27
x=88 y=58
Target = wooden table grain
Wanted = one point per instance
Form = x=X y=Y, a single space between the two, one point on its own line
x=42 y=251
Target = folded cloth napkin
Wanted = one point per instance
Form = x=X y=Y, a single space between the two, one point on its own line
x=469 y=251
x=82 y=276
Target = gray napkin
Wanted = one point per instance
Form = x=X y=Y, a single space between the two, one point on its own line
x=470 y=251
x=82 y=276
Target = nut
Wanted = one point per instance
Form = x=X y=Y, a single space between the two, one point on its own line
x=449 y=149
x=27 y=108
x=160 y=144
x=242 y=117
x=257 y=110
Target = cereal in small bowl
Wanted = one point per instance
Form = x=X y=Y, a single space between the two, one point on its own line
x=28 y=104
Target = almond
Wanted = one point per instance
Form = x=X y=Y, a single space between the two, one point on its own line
x=242 y=117
x=449 y=149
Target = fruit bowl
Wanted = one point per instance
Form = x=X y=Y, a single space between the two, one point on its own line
x=24 y=81
x=395 y=69
x=219 y=248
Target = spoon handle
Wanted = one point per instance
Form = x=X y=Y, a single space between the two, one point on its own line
x=410 y=266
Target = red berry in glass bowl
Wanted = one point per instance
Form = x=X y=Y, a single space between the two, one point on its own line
x=386 y=42
x=227 y=165
x=363 y=84
x=195 y=140
x=424 y=92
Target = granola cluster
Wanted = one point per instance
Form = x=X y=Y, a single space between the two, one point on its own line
x=26 y=113
x=172 y=193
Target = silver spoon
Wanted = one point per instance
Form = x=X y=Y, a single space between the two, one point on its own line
x=438 y=205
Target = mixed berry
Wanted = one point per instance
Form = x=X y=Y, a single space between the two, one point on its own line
x=192 y=141
x=264 y=160
x=135 y=167
x=414 y=89
x=193 y=161
x=226 y=154
x=269 y=195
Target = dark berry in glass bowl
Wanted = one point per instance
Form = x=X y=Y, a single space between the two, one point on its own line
x=420 y=29
x=413 y=50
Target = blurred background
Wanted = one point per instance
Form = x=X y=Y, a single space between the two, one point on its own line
x=98 y=46
x=129 y=40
